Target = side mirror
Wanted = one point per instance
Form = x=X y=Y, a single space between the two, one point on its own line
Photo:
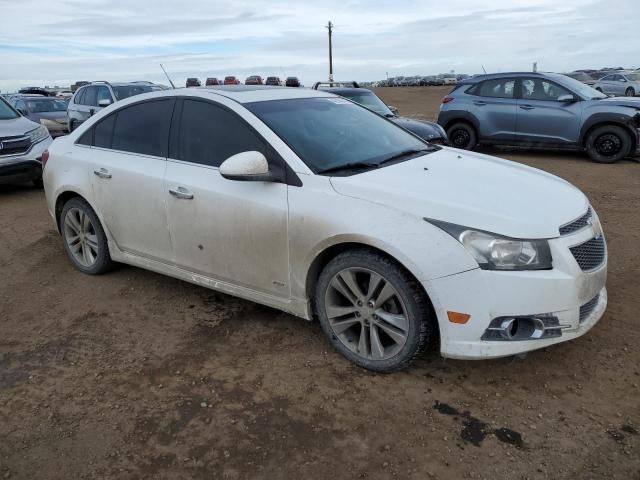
x=567 y=98
x=104 y=102
x=246 y=167
x=393 y=109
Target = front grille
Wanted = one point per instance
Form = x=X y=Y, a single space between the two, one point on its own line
x=590 y=254
x=577 y=224
x=14 y=145
x=587 y=308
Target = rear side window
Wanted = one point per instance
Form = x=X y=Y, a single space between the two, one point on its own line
x=104 y=132
x=143 y=128
x=497 y=88
x=209 y=134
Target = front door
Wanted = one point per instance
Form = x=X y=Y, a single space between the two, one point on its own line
x=232 y=231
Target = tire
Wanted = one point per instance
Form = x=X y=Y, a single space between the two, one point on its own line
x=630 y=92
x=599 y=89
x=92 y=253
x=381 y=337
x=462 y=135
x=608 y=144
x=37 y=182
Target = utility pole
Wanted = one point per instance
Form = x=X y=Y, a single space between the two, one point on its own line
x=330 y=28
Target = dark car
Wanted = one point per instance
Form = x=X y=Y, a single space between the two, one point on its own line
x=292 y=82
x=212 y=81
x=193 y=82
x=254 y=80
x=231 y=80
x=273 y=81
x=48 y=111
x=429 y=131
x=543 y=110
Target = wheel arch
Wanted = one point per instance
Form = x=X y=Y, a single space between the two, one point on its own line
x=603 y=121
x=462 y=117
x=62 y=198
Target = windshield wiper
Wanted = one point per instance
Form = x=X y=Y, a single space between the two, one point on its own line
x=349 y=166
x=406 y=153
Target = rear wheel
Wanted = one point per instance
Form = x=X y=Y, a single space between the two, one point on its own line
x=84 y=239
x=608 y=144
x=462 y=135
x=373 y=311
x=630 y=92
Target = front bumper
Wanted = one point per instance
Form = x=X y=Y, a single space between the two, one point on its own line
x=23 y=167
x=485 y=295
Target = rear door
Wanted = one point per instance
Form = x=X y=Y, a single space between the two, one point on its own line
x=542 y=119
x=608 y=84
x=493 y=103
x=233 y=231
x=128 y=162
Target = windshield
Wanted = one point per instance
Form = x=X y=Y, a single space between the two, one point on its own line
x=47 y=105
x=583 y=77
x=580 y=88
x=6 y=112
x=328 y=133
x=634 y=77
x=127 y=91
x=367 y=99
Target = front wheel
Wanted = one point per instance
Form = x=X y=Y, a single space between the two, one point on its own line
x=462 y=135
x=608 y=144
x=373 y=311
x=630 y=92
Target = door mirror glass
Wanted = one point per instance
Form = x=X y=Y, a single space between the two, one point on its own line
x=566 y=98
x=104 y=102
x=246 y=166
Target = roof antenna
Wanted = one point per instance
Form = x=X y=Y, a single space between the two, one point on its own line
x=168 y=78
x=484 y=69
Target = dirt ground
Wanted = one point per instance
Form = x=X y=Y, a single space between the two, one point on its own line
x=134 y=375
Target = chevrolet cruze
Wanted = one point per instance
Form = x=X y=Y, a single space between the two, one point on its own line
x=309 y=203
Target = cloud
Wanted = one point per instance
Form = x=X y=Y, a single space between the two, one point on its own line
x=127 y=39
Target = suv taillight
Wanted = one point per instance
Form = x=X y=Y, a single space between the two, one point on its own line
x=44 y=158
x=447 y=99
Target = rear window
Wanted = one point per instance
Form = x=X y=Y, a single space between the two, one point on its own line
x=6 y=112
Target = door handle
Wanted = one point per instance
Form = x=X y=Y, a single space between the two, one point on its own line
x=181 y=193
x=526 y=107
x=479 y=103
x=102 y=173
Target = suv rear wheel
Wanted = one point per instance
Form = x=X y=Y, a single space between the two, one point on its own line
x=630 y=92
x=373 y=311
x=608 y=144
x=462 y=135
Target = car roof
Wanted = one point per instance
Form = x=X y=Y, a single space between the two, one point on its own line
x=341 y=90
x=491 y=76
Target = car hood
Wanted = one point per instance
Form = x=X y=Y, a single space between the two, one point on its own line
x=16 y=126
x=621 y=102
x=425 y=130
x=472 y=190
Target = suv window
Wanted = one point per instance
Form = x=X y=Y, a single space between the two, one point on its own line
x=143 y=128
x=90 y=97
x=497 y=88
x=79 y=98
x=539 y=89
x=103 y=94
x=209 y=134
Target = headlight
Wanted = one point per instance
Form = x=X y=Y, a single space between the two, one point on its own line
x=38 y=134
x=495 y=252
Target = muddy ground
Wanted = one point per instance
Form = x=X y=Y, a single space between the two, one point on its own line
x=135 y=375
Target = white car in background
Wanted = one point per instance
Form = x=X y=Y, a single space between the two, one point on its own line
x=311 y=204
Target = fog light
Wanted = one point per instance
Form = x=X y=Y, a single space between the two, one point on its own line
x=520 y=328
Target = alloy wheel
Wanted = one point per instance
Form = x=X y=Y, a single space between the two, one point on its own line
x=366 y=313
x=81 y=238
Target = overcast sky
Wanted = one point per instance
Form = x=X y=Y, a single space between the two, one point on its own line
x=45 y=42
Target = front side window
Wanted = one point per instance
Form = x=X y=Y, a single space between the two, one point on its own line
x=47 y=105
x=209 y=134
x=333 y=133
x=539 y=89
x=498 y=88
x=6 y=112
x=90 y=97
x=143 y=128
x=103 y=94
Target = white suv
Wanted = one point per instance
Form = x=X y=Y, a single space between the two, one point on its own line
x=311 y=204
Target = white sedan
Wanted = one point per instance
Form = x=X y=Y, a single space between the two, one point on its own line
x=311 y=204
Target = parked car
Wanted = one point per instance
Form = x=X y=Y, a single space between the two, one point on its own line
x=449 y=80
x=193 y=82
x=308 y=203
x=254 y=80
x=292 y=82
x=231 y=80
x=212 y=81
x=273 y=81
x=623 y=83
x=91 y=98
x=582 y=77
x=540 y=110
x=48 y=111
x=429 y=131
x=22 y=143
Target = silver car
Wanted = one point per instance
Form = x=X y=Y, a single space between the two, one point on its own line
x=618 y=84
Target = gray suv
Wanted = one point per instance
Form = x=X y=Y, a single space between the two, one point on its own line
x=540 y=110
x=95 y=96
